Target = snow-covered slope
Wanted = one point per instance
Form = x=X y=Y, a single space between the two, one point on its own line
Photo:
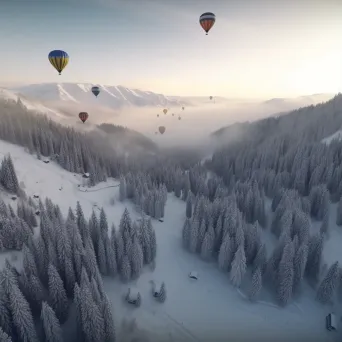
x=32 y=105
x=113 y=97
x=336 y=136
x=208 y=309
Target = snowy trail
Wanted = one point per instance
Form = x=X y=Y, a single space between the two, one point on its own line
x=96 y=190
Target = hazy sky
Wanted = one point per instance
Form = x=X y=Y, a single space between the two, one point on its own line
x=257 y=48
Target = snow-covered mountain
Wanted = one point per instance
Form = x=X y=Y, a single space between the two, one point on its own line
x=113 y=97
x=116 y=97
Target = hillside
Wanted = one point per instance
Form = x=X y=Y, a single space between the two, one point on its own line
x=16 y=109
x=190 y=304
x=328 y=114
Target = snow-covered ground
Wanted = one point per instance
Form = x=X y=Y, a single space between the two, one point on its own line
x=336 y=136
x=207 y=309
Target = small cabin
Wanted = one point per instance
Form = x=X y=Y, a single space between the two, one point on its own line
x=35 y=196
x=13 y=198
x=331 y=322
x=46 y=161
x=85 y=175
x=156 y=289
x=133 y=297
x=193 y=275
x=161 y=220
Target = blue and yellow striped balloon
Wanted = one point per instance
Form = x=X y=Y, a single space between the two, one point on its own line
x=59 y=59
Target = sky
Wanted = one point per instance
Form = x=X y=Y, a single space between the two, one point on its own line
x=256 y=49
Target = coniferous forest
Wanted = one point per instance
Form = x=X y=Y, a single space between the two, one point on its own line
x=276 y=178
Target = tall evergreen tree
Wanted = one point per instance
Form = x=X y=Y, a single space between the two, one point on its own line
x=51 y=326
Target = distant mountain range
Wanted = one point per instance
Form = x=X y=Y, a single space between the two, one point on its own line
x=113 y=97
x=117 y=97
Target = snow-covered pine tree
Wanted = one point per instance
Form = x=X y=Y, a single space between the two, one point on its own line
x=207 y=247
x=260 y=260
x=22 y=316
x=102 y=262
x=285 y=275
x=137 y=258
x=328 y=285
x=239 y=267
x=125 y=269
x=225 y=256
x=58 y=297
x=256 y=285
x=51 y=326
x=299 y=264
x=109 y=326
x=92 y=320
x=186 y=233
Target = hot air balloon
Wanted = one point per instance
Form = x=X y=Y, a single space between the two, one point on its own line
x=161 y=129
x=207 y=21
x=158 y=115
x=59 y=60
x=183 y=108
x=83 y=116
x=173 y=114
x=95 y=90
x=210 y=97
x=165 y=111
x=179 y=118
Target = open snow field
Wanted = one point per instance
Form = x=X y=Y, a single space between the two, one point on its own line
x=208 y=309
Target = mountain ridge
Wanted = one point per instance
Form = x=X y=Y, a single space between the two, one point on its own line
x=114 y=97
x=118 y=97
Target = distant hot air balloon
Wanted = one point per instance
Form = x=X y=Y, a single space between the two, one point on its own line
x=162 y=129
x=173 y=114
x=83 y=116
x=179 y=118
x=210 y=97
x=59 y=60
x=95 y=90
x=207 y=21
x=165 y=111
x=158 y=115
x=183 y=108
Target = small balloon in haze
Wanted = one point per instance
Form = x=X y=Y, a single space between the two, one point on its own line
x=173 y=114
x=179 y=118
x=161 y=129
x=158 y=115
x=211 y=97
x=59 y=60
x=183 y=108
x=207 y=21
x=95 y=90
x=83 y=116
x=165 y=111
